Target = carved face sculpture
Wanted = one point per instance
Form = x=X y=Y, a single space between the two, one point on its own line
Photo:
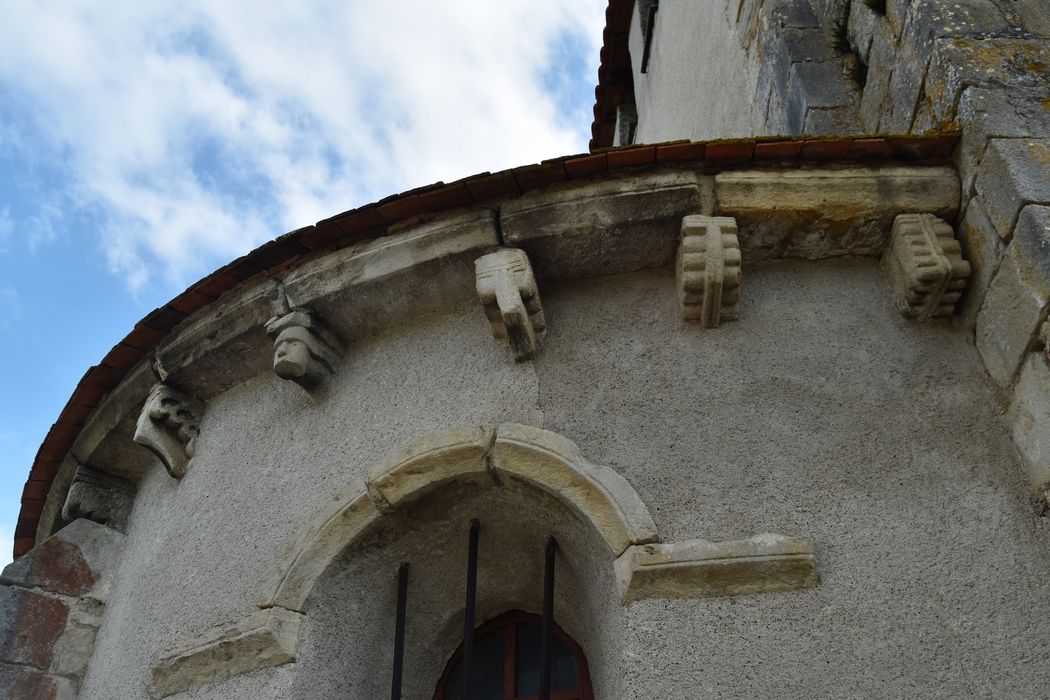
x=291 y=358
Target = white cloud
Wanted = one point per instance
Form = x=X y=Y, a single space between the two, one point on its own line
x=200 y=130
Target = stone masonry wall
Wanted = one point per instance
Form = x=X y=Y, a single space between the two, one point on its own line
x=51 y=605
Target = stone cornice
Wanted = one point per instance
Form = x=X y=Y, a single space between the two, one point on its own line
x=377 y=244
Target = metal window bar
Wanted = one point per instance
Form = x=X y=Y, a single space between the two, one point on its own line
x=547 y=642
x=399 y=632
x=468 y=622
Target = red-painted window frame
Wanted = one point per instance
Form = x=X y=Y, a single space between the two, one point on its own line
x=507 y=624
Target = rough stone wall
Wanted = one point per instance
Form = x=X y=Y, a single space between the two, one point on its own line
x=819 y=412
x=51 y=605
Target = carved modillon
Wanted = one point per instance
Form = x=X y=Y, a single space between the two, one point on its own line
x=100 y=497
x=169 y=425
x=708 y=270
x=508 y=292
x=304 y=351
x=925 y=267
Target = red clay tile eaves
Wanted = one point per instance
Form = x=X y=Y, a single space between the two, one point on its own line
x=615 y=80
x=373 y=220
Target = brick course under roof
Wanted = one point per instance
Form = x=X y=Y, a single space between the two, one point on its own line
x=373 y=220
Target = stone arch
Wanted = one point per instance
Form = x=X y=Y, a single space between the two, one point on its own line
x=541 y=459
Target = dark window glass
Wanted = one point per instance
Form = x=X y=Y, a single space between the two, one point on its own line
x=565 y=674
x=487 y=670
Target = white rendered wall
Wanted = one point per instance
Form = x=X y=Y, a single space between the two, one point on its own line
x=700 y=83
x=821 y=412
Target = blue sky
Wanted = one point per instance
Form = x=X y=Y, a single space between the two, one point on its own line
x=143 y=147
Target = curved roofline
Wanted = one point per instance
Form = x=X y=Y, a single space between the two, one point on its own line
x=373 y=221
x=615 y=75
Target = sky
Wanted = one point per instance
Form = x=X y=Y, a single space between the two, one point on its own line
x=143 y=145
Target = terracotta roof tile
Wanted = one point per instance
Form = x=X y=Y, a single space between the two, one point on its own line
x=586 y=166
x=777 y=150
x=870 y=148
x=680 y=151
x=824 y=149
x=163 y=319
x=631 y=156
x=448 y=197
x=491 y=185
x=533 y=177
x=123 y=356
x=729 y=151
x=215 y=284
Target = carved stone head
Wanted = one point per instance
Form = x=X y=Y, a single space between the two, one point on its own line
x=303 y=352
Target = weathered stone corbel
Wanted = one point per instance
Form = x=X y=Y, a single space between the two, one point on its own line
x=304 y=351
x=507 y=289
x=100 y=497
x=925 y=267
x=169 y=425
x=698 y=568
x=708 y=270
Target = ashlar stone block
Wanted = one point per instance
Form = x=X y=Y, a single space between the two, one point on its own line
x=1013 y=174
x=168 y=426
x=267 y=638
x=924 y=266
x=698 y=568
x=708 y=270
x=508 y=292
x=1029 y=419
x=1018 y=298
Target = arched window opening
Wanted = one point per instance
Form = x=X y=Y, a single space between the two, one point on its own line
x=507 y=662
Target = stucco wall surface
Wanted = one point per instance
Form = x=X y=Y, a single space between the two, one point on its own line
x=821 y=412
x=700 y=82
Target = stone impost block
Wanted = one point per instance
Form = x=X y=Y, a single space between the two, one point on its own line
x=983 y=249
x=697 y=568
x=429 y=463
x=708 y=270
x=1013 y=174
x=268 y=638
x=99 y=497
x=820 y=213
x=1018 y=298
x=1029 y=419
x=508 y=292
x=613 y=226
x=924 y=266
x=168 y=426
x=78 y=560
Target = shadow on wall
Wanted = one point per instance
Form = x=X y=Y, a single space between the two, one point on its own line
x=347 y=642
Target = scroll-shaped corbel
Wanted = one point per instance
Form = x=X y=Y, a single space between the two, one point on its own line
x=925 y=267
x=507 y=289
x=304 y=351
x=708 y=270
x=169 y=425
